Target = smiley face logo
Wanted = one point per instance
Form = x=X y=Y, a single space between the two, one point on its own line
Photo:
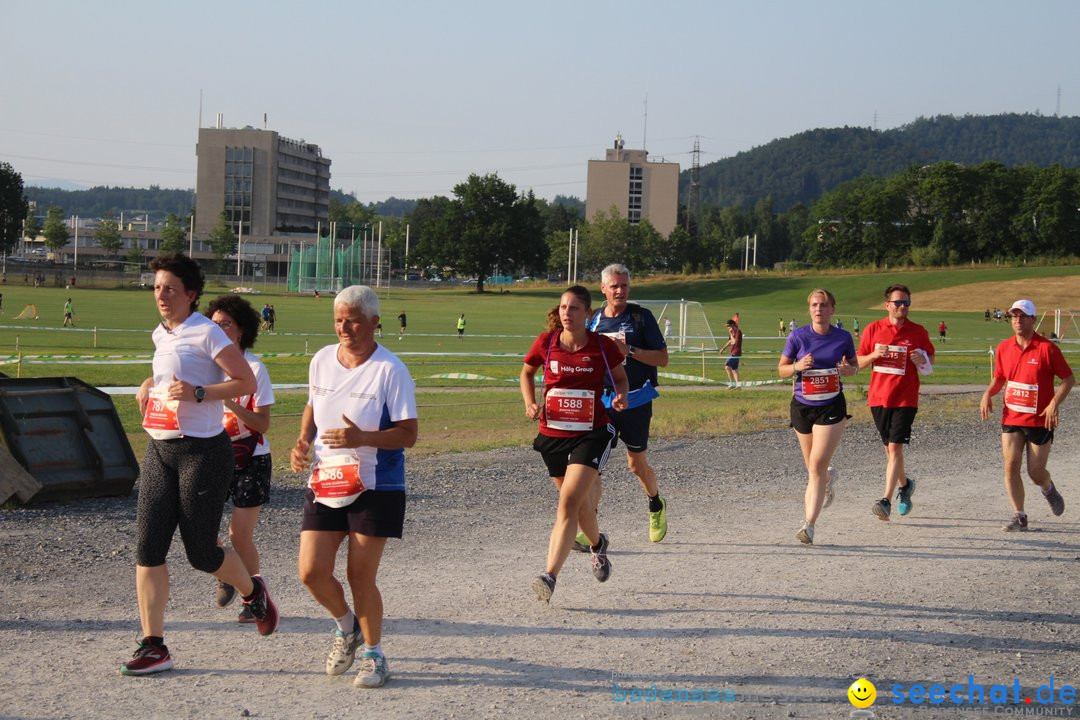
x=862 y=693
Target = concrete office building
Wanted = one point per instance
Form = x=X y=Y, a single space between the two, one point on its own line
x=267 y=182
x=639 y=189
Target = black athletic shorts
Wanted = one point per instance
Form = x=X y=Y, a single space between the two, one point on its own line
x=1033 y=435
x=894 y=424
x=632 y=427
x=376 y=513
x=804 y=417
x=590 y=449
x=251 y=486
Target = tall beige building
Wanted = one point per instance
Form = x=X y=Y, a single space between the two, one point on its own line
x=639 y=189
x=259 y=178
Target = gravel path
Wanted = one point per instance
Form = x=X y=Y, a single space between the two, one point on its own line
x=729 y=603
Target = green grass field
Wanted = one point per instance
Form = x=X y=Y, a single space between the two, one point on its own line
x=486 y=413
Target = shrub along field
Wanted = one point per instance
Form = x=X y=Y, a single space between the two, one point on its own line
x=465 y=414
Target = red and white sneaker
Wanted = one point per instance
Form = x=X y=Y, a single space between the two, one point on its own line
x=263 y=608
x=147 y=660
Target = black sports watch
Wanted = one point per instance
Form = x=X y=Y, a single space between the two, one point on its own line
x=630 y=350
x=200 y=393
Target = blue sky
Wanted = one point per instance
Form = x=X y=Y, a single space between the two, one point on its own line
x=408 y=98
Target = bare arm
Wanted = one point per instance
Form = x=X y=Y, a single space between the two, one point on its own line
x=527 y=383
x=986 y=403
x=401 y=434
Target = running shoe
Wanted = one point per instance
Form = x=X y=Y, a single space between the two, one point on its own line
x=581 y=543
x=147 y=660
x=225 y=594
x=833 y=475
x=343 y=651
x=544 y=587
x=601 y=566
x=881 y=509
x=263 y=608
x=904 y=494
x=1018 y=523
x=374 y=670
x=805 y=534
x=658 y=522
x=1057 y=503
x=245 y=615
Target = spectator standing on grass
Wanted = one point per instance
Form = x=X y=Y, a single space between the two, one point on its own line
x=638 y=337
x=898 y=351
x=359 y=419
x=1026 y=365
x=403 y=324
x=69 y=314
x=731 y=366
x=942 y=328
x=188 y=464
x=816 y=356
x=461 y=327
x=246 y=420
x=783 y=328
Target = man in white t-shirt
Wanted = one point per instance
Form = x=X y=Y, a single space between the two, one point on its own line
x=360 y=417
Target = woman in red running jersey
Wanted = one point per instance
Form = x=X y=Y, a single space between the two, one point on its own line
x=575 y=435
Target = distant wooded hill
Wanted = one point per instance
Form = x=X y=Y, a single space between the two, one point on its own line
x=803 y=167
x=96 y=201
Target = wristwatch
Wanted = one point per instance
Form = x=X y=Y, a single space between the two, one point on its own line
x=630 y=350
x=200 y=393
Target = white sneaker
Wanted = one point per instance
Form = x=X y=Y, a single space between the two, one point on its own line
x=805 y=534
x=829 y=495
x=374 y=670
x=343 y=652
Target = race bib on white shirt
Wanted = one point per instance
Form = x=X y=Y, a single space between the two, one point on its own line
x=159 y=420
x=1021 y=397
x=336 y=480
x=821 y=384
x=571 y=410
x=894 y=361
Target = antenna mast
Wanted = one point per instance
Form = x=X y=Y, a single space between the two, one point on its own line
x=693 y=193
x=645 y=128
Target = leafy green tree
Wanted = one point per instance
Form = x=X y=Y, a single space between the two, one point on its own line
x=108 y=234
x=12 y=207
x=135 y=255
x=222 y=241
x=485 y=228
x=33 y=226
x=55 y=230
x=173 y=238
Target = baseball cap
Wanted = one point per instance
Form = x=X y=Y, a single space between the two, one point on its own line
x=1025 y=306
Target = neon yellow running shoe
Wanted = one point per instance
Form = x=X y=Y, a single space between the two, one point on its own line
x=658 y=522
x=581 y=543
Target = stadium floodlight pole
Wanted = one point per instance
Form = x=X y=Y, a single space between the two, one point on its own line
x=76 y=263
x=406 y=249
x=577 y=248
x=239 y=245
x=569 y=254
x=191 y=237
x=378 y=260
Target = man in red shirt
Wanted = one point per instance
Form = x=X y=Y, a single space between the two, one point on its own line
x=1025 y=365
x=899 y=351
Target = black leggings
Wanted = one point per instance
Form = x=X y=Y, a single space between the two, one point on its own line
x=183 y=483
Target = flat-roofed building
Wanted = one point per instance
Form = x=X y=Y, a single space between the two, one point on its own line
x=264 y=182
x=637 y=188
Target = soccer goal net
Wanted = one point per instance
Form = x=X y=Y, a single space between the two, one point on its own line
x=683 y=323
x=308 y=284
x=1065 y=325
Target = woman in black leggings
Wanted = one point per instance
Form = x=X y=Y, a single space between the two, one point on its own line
x=189 y=461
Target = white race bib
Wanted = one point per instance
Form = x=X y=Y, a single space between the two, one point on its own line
x=572 y=410
x=336 y=480
x=160 y=420
x=821 y=384
x=894 y=361
x=1021 y=397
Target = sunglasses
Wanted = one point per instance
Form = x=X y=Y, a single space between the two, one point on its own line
x=901 y=303
x=225 y=324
